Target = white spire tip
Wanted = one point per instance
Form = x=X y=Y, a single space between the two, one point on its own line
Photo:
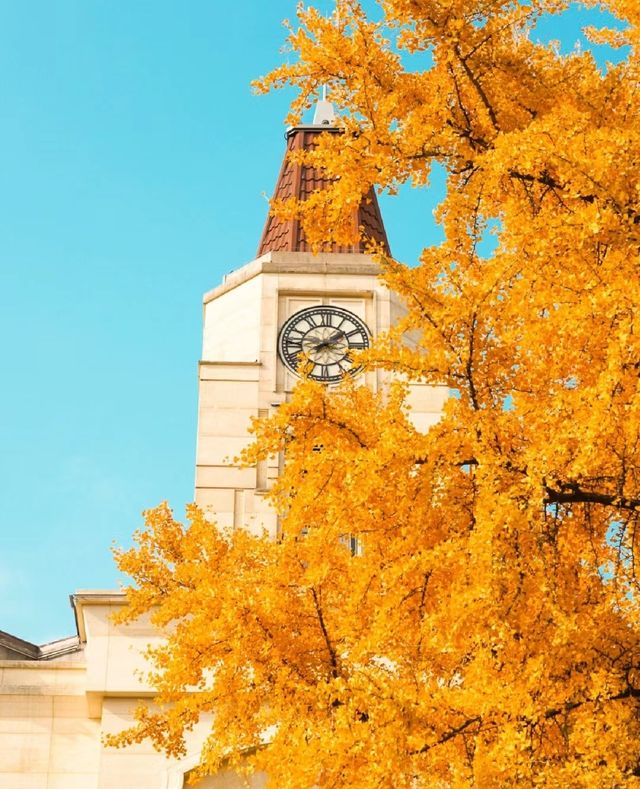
x=324 y=115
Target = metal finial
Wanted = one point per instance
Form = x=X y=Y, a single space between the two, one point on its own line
x=325 y=115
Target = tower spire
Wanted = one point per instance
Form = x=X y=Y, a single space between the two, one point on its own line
x=300 y=180
x=324 y=114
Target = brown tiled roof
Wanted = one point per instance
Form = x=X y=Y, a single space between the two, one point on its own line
x=297 y=180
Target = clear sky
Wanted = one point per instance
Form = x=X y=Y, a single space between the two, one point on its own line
x=135 y=165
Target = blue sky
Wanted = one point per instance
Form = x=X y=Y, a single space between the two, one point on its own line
x=135 y=163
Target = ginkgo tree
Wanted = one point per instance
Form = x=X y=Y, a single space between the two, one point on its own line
x=485 y=632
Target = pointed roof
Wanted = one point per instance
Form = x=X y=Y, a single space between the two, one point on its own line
x=297 y=180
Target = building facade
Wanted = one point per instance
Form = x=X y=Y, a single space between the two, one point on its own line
x=266 y=319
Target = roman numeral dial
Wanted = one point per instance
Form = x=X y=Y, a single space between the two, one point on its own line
x=322 y=339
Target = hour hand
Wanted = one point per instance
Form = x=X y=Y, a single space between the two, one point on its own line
x=334 y=338
x=317 y=342
x=328 y=341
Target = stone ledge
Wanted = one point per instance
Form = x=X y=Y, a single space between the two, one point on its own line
x=297 y=263
x=14 y=649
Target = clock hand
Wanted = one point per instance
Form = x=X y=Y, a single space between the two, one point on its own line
x=330 y=340
x=335 y=337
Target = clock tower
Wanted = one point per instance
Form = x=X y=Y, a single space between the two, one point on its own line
x=286 y=305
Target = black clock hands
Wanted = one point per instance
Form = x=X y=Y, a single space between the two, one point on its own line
x=329 y=341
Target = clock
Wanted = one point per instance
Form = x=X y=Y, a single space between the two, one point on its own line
x=322 y=338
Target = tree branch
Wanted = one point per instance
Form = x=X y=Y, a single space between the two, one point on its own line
x=479 y=89
x=332 y=653
x=448 y=735
x=572 y=493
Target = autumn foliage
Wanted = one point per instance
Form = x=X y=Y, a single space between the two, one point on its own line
x=484 y=632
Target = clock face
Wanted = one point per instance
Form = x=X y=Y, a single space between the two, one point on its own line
x=324 y=337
